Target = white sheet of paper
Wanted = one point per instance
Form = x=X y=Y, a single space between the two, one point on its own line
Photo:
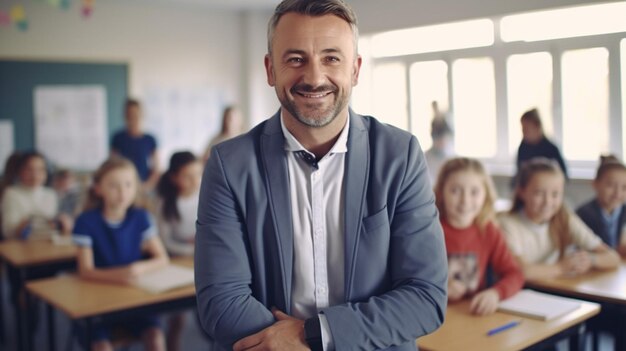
x=7 y=143
x=70 y=125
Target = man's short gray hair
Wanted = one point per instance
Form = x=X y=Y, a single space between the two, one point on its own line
x=314 y=8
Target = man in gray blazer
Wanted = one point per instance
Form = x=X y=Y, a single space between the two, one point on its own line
x=317 y=229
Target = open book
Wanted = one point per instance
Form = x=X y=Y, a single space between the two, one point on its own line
x=533 y=304
x=167 y=278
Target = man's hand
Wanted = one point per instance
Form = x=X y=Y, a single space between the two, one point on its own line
x=286 y=334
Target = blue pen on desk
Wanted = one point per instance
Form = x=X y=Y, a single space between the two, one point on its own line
x=502 y=328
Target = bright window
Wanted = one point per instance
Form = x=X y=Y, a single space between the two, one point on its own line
x=565 y=23
x=529 y=85
x=390 y=96
x=585 y=103
x=474 y=107
x=449 y=36
x=429 y=82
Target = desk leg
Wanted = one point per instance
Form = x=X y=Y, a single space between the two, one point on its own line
x=88 y=333
x=2 y=278
x=577 y=341
x=51 y=328
x=19 y=277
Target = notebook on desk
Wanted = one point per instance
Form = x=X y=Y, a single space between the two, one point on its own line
x=167 y=278
x=537 y=305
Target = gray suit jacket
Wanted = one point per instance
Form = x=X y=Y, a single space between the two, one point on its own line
x=395 y=259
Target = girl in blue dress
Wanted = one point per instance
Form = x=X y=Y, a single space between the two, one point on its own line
x=113 y=237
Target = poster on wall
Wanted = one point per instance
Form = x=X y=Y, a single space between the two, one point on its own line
x=7 y=144
x=70 y=125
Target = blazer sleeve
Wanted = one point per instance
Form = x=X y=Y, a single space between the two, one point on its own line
x=226 y=307
x=415 y=303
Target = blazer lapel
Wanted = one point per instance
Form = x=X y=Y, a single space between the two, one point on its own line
x=275 y=163
x=355 y=180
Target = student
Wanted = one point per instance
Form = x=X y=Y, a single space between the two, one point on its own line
x=112 y=236
x=442 y=148
x=231 y=127
x=179 y=189
x=465 y=197
x=548 y=239
x=68 y=192
x=30 y=208
x=606 y=213
x=535 y=143
x=137 y=146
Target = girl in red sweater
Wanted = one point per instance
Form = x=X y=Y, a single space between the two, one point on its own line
x=465 y=196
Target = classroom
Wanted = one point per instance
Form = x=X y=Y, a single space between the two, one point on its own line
x=74 y=74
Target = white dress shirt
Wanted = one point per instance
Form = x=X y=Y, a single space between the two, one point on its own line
x=317 y=211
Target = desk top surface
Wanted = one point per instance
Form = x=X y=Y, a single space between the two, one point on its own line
x=464 y=331
x=79 y=298
x=600 y=286
x=36 y=252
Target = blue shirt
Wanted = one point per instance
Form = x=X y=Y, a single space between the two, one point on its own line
x=137 y=149
x=114 y=244
x=611 y=222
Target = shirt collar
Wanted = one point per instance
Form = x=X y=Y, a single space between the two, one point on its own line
x=613 y=217
x=292 y=144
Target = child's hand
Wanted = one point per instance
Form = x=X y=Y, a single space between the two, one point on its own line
x=66 y=223
x=485 y=302
x=130 y=273
x=456 y=289
x=577 y=263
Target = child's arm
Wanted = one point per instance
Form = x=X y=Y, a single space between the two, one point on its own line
x=604 y=258
x=506 y=267
x=153 y=178
x=541 y=270
x=87 y=270
x=158 y=256
x=124 y=274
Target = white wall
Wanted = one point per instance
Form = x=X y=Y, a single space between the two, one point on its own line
x=164 y=45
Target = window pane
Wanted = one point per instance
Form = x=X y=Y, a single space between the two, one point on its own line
x=529 y=80
x=429 y=82
x=390 y=96
x=440 y=37
x=565 y=23
x=474 y=96
x=585 y=103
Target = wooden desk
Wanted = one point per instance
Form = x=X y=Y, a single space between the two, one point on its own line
x=90 y=302
x=25 y=259
x=464 y=331
x=605 y=287
x=599 y=286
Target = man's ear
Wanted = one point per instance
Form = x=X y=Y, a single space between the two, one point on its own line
x=269 y=70
x=356 y=70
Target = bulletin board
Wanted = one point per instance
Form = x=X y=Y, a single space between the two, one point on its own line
x=20 y=79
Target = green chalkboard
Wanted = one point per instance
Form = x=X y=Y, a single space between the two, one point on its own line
x=18 y=80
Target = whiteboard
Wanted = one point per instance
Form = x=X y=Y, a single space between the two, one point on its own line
x=70 y=125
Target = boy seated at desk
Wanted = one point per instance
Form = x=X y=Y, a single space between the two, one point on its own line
x=112 y=236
